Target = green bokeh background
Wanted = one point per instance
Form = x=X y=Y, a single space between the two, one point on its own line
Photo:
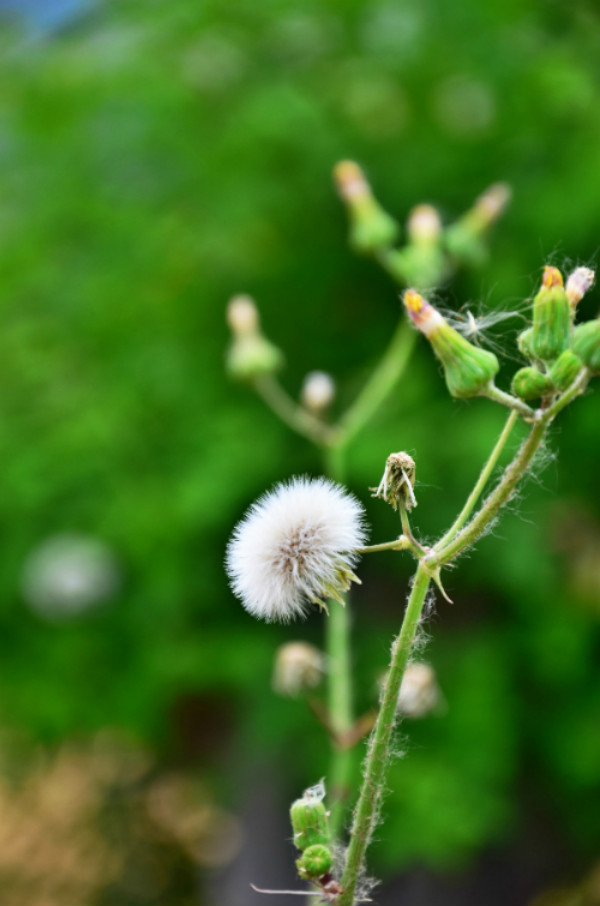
x=157 y=158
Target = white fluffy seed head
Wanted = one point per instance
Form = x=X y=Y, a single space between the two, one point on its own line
x=296 y=545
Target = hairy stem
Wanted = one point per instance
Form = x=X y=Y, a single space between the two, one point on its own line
x=507 y=399
x=378 y=755
x=443 y=553
x=481 y=481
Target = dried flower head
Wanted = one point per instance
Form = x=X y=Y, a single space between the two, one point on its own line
x=398 y=481
x=299 y=667
x=295 y=546
x=419 y=692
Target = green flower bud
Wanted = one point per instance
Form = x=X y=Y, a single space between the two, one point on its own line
x=315 y=861
x=551 y=318
x=524 y=343
x=250 y=354
x=565 y=369
x=463 y=239
x=585 y=343
x=309 y=819
x=529 y=383
x=468 y=370
x=371 y=228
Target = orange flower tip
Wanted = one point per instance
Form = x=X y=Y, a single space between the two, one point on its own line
x=350 y=179
x=552 y=277
x=415 y=303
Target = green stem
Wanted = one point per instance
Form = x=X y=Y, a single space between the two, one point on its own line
x=339 y=686
x=507 y=399
x=295 y=416
x=400 y=544
x=378 y=755
x=442 y=553
x=341 y=716
x=381 y=383
x=481 y=482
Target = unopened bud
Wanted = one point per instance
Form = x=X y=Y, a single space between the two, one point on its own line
x=299 y=667
x=309 y=819
x=315 y=861
x=463 y=239
x=371 y=228
x=250 y=355
x=578 y=283
x=492 y=203
x=424 y=226
x=242 y=315
x=565 y=369
x=419 y=692
x=468 y=370
x=551 y=317
x=396 y=486
x=524 y=343
x=318 y=391
x=529 y=383
x=585 y=343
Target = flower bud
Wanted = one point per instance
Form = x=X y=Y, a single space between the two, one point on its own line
x=371 y=228
x=585 y=343
x=318 y=391
x=565 y=369
x=524 y=343
x=242 y=315
x=419 y=693
x=551 y=317
x=424 y=226
x=299 y=667
x=463 y=239
x=396 y=486
x=468 y=370
x=579 y=282
x=250 y=355
x=529 y=383
x=315 y=861
x=309 y=819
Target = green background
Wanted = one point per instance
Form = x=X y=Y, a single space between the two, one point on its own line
x=157 y=158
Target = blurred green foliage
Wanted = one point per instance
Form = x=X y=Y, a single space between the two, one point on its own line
x=158 y=157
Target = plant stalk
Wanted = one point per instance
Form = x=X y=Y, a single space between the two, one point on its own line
x=378 y=754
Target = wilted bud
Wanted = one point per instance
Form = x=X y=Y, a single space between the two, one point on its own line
x=578 y=283
x=299 y=667
x=468 y=370
x=463 y=238
x=529 y=383
x=585 y=343
x=315 y=861
x=551 y=317
x=419 y=693
x=318 y=391
x=371 y=227
x=565 y=369
x=250 y=355
x=396 y=486
x=424 y=226
x=309 y=819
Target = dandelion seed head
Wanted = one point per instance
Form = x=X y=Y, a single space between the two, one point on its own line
x=295 y=546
